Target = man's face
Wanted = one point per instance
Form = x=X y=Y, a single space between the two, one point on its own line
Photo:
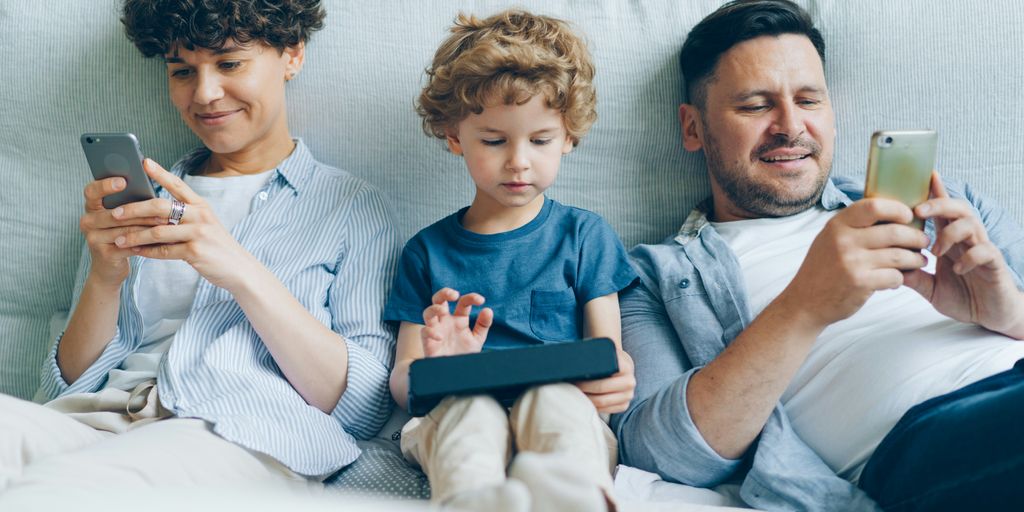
x=767 y=128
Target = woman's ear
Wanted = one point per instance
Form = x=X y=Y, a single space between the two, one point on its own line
x=296 y=57
x=692 y=128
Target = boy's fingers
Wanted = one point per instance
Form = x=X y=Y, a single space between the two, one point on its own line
x=432 y=313
x=483 y=323
x=444 y=295
x=466 y=303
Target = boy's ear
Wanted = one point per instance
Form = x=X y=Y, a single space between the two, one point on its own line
x=692 y=128
x=567 y=145
x=452 y=138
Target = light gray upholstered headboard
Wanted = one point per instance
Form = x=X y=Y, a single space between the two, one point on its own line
x=950 y=65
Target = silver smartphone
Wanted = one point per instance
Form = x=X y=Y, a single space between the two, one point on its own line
x=118 y=154
x=900 y=166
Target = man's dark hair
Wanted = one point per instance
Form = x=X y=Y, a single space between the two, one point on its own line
x=731 y=24
x=157 y=26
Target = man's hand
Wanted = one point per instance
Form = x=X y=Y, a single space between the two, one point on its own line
x=972 y=282
x=446 y=334
x=863 y=249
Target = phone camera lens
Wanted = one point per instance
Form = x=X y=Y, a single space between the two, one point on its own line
x=88 y=140
x=884 y=142
x=888 y=140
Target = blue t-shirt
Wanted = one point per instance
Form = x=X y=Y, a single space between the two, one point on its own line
x=536 y=278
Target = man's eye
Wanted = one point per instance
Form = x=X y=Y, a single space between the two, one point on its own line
x=233 y=64
x=181 y=73
x=492 y=142
x=754 y=108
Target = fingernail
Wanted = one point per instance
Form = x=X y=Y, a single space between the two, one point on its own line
x=118 y=212
x=923 y=209
x=118 y=183
x=119 y=241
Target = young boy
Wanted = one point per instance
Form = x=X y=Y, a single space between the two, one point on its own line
x=512 y=94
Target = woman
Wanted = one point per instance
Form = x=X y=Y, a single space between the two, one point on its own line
x=236 y=317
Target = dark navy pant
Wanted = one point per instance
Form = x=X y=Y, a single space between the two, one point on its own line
x=960 y=451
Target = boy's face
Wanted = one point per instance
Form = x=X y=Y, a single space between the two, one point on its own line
x=512 y=151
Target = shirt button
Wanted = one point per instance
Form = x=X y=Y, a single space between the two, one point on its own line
x=685 y=283
x=263 y=195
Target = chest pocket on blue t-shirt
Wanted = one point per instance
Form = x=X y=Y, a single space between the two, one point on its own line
x=553 y=315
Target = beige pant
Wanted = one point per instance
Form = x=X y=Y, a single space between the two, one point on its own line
x=50 y=448
x=465 y=443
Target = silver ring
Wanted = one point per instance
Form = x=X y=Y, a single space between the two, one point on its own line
x=177 y=212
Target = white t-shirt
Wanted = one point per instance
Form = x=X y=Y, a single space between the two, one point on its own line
x=167 y=288
x=863 y=373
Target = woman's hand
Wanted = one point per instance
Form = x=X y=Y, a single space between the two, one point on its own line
x=446 y=334
x=612 y=394
x=103 y=227
x=199 y=238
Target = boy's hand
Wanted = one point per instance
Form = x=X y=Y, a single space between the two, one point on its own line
x=612 y=394
x=445 y=334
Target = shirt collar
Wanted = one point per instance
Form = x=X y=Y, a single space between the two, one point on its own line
x=831 y=199
x=294 y=170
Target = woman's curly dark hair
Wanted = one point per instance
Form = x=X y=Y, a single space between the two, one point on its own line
x=157 y=26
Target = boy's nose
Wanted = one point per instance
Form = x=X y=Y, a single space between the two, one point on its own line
x=517 y=159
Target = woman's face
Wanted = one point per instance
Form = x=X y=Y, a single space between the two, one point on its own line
x=233 y=98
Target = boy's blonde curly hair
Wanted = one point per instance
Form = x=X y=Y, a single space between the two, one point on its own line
x=509 y=57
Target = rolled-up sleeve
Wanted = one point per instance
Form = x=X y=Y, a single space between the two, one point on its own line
x=53 y=385
x=363 y=279
x=657 y=433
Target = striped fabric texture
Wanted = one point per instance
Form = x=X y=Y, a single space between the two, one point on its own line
x=949 y=65
x=330 y=239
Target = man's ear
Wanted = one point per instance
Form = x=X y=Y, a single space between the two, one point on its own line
x=452 y=138
x=692 y=128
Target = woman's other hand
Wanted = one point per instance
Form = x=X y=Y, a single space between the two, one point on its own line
x=103 y=228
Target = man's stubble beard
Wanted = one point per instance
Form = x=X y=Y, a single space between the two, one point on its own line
x=753 y=197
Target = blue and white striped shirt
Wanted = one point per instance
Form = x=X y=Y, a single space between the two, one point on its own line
x=330 y=238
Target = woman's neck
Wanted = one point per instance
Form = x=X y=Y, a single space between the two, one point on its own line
x=253 y=159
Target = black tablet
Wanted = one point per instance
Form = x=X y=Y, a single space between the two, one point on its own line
x=507 y=373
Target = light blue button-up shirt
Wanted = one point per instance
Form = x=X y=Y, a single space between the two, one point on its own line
x=330 y=238
x=690 y=304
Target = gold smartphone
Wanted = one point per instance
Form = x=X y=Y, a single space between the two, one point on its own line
x=900 y=165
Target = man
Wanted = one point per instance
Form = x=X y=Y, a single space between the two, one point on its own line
x=790 y=324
